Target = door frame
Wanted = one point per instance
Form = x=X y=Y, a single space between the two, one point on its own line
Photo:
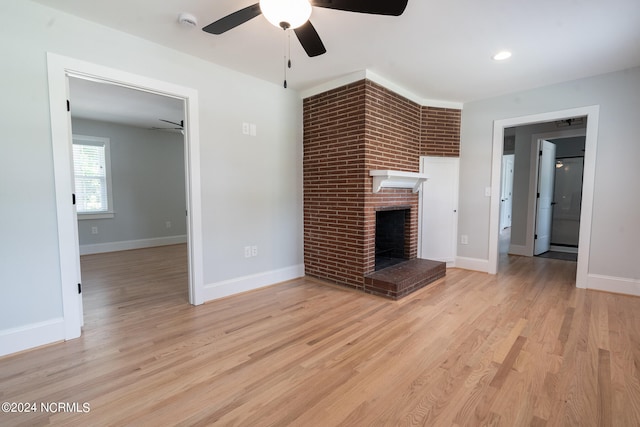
x=591 y=138
x=506 y=159
x=59 y=68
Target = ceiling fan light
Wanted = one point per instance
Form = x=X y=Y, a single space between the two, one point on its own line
x=293 y=12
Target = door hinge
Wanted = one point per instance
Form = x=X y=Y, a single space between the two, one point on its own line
x=541 y=152
x=537 y=195
x=79 y=288
x=73 y=198
x=535 y=236
x=68 y=105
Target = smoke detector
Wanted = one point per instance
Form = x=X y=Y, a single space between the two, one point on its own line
x=187 y=19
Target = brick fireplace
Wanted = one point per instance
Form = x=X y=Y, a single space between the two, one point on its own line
x=349 y=131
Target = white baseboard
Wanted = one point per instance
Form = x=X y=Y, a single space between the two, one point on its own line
x=254 y=281
x=519 y=250
x=565 y=249
x=618 y=285
x=474 y=264
x=125 y=245
x=30 y=336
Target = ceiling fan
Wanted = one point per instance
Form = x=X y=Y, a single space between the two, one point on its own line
x=294 y=14
x=179 y=126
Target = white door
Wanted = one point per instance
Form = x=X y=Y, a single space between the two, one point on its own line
x=439 y=209
x=544 y=196
x=506 y=199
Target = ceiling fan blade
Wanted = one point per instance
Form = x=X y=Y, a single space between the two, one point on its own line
x=309 y=39
x=233 y=20
x=181 y=124
x=376 y=7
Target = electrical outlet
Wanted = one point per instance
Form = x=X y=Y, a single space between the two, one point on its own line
x=94 y=230
x=252 y=129
x=245 y=128
x=254 y=251
x=464 y=239
x=247 y=251
x=167 y=224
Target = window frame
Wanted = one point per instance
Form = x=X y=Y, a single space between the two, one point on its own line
x=96 y=141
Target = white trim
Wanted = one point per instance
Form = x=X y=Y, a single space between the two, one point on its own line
x=333 y=84
x=424 y=102
x=474 y=264
x=229 y=287
x=565 y=249
x=89 y=216
x=618 y=285
x=521 y=250
x=125 y=245
x=584 y=245
x=32 y=335
x=370 y=75
x=61 y=140
x=58 y=69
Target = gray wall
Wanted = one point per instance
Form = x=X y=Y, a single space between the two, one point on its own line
x=251 y=187
x=569 y=147
x=616 y=207
x=148 y=177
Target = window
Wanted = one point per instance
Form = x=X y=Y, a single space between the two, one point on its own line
x=92 y=175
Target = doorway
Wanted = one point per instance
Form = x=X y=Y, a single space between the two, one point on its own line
x=60 y=68
x=591 y=114
x=569 y=172
x=136 y=198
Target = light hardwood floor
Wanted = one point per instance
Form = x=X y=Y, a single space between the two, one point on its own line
x=521 y=348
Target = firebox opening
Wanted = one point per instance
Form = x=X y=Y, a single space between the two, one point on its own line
x=391 y=237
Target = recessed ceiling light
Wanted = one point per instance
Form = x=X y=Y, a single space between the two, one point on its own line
x=501 y=56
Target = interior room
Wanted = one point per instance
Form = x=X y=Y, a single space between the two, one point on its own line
x=371 y=213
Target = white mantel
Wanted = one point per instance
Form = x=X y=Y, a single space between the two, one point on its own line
x=397 y=179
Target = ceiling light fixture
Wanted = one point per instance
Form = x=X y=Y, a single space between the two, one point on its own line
x=286 y=13
x=502 y=55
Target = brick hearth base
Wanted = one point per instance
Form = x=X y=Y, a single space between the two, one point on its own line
x=401 y=279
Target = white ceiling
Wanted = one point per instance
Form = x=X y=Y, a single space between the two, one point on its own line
x=111 y=103
x=437 y=50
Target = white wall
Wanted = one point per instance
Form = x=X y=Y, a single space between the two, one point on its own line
x=616 y=208
x=251 y=186
x=148 y=177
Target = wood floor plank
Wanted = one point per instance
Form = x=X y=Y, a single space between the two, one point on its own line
x=524 y=347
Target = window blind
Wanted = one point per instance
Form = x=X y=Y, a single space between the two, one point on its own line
x=90 y=173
